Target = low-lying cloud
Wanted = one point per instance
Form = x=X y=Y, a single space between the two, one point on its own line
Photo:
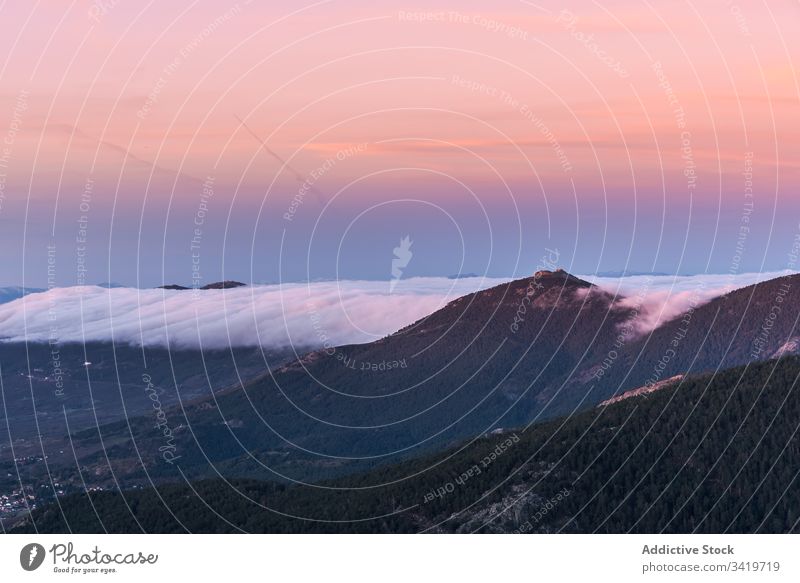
x=273 y=316
x=302 y=315
x=661 y=298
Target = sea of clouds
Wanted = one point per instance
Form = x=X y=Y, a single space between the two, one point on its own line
x=273 y=316
x=300 y=314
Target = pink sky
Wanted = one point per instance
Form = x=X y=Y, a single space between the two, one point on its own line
x=517 y=102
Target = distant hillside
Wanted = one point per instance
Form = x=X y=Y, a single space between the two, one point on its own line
x=711 y=454
x=757 y=322
x=227 y=284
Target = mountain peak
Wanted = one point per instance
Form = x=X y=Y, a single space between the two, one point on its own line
x=547 y=273
x=227 y=284
x=558 y=277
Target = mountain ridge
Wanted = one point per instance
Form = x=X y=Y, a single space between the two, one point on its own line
x=728 y=436
x=508 y=356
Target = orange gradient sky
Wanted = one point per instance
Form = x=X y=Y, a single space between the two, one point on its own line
x=616 y=131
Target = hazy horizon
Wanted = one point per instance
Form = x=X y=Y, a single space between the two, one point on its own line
x=305 y=314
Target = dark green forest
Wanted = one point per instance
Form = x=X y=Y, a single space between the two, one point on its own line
x=711 y=454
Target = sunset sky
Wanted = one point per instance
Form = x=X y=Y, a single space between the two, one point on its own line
x=652 y=136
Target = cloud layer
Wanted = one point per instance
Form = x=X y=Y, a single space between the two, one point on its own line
x=301 y=315
x=661 y=298
x=273 y=316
